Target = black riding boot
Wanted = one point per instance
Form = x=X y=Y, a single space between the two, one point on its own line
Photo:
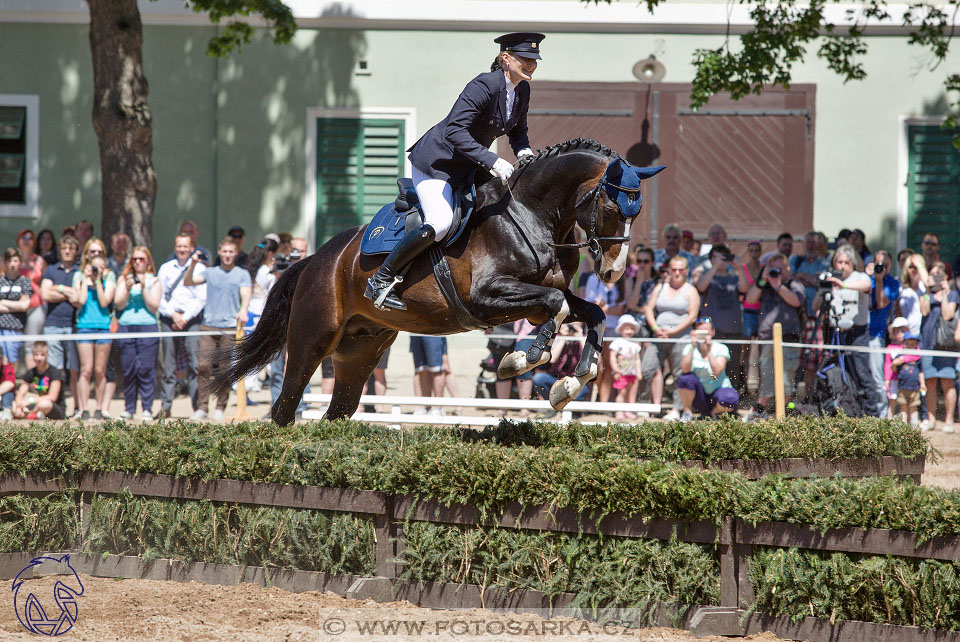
x=380 y=285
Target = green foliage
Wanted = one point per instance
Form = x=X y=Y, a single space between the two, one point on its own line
x=38 y=524
x=231 y=534
x=837 y=586
x=603 y=572
x=236 y=33
x=591 y=469
x=872 y=502
x=801 y=437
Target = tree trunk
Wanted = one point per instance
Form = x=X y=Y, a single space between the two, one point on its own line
x=122 y=120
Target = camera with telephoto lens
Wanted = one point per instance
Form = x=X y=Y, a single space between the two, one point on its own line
x=823 y=284
x=95 y=271
x=879 y=267
x=283 y=261
x=775 y=272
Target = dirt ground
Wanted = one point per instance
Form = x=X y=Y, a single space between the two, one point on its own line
x=154 y=610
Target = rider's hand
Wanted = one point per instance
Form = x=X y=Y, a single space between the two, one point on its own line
x=526 y=151
x=503 y=169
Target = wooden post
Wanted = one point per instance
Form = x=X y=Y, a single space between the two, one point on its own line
x=242 y=414
x=778 y=369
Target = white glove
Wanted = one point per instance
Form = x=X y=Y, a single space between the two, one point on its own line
x=526 y=151
x=503 y=169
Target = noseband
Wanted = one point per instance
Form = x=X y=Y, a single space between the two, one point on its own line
x=593 y=241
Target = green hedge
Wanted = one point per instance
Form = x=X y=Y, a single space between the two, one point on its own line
x=38 y=524
x=185 y=447
x=869 y=588
x=729 y=438
x=432 y=465
x=594 y=472
x=606 y=572
x=195 y=531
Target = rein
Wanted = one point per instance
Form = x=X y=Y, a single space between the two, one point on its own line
x=593 y=241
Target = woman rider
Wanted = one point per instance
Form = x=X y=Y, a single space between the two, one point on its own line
x=492 y=104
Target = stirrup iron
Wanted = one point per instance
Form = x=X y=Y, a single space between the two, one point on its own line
x=378 y=303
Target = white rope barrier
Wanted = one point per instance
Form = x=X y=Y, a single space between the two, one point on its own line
x=31 y=338
x=829 y=347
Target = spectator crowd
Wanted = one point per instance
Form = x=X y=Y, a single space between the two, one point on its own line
x=79 y=285
x=828 y=293
x=699 y=292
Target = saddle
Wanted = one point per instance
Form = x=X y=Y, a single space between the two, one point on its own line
x=394 y=220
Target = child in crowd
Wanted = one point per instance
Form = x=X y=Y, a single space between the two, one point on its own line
x=41 y=393
x=15 y=293
x=624 y=363
x=910 y=381
x=897 y=331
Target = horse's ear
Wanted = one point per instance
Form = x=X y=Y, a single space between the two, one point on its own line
x=647 y=172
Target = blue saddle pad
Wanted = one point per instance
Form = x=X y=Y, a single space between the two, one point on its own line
x=387 y=227
x=384 y=231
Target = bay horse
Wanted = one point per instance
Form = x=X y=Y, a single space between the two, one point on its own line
x=515 y=260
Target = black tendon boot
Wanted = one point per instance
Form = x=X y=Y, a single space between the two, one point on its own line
x=380 y=285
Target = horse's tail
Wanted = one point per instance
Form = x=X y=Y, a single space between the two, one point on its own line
x=268 y=339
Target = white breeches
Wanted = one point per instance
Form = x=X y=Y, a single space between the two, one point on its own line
x=436 y=202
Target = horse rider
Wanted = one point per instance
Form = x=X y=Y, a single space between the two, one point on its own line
x=491 y=105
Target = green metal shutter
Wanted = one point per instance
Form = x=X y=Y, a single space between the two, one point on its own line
x=13 y=154
x=933 y=189
x=358 y=163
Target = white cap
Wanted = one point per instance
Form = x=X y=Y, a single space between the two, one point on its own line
x=627 y=319
x=900 y=322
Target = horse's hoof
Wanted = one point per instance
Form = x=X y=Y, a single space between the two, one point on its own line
x=513 y=364
x=563 y=392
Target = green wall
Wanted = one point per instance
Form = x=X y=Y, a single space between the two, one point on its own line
x=230 y=134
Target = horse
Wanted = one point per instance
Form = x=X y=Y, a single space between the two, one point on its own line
x=515 y=259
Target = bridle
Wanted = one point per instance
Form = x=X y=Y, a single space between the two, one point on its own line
x=593 y=241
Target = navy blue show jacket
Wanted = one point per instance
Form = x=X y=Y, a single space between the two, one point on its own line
x=457 y=144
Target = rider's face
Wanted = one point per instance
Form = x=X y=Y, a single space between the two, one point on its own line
x=518 y=68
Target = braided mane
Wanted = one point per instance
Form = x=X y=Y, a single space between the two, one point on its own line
x=577 y=144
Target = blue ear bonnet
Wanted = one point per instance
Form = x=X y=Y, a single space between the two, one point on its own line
x=621 y=182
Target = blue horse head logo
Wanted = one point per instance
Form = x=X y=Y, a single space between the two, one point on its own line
x=30 y=611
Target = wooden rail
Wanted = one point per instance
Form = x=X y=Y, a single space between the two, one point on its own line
x=733 y=537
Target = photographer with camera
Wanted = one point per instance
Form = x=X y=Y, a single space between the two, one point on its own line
x=282 y=262
x=95 y=286
x=781 y=298
x=721 y=283
x=704 y=386
x=940 y=372
x=884 y=291
x=260 y=265
x=847 y=290
x=138 y=297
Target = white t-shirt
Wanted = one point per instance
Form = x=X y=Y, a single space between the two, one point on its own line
x=261 y=288
x=701 y=367
x=626 y=352
x=910 y=307
x=852 y=306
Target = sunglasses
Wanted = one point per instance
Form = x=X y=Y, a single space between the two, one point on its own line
x=677 y=270
x=930 y=243
x=644 y=261
x=139 y=259
x=26 y=237
x=703 y=320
